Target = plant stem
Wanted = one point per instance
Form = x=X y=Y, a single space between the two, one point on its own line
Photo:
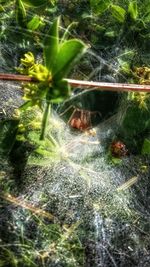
x=44 y=120
x=44 y=124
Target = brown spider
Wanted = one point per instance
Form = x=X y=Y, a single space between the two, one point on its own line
x=118 y=149
x=80 y=118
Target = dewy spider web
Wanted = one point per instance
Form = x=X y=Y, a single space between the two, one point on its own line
x=100 y=220
x=78 y=186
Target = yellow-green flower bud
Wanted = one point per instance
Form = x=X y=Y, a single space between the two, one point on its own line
x=28 y=59
x=39 y=72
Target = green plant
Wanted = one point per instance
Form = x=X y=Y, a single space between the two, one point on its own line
x=99 y=6
x=146 y=147
x=59 y=56
x=21 y=11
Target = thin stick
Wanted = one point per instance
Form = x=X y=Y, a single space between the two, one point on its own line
x=16 y=77
x=26 y=205
x=119 y=87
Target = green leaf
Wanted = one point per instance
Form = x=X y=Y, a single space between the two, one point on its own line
x=118 y=13
x=132 y=10
x=34 y=23
x=8 y=131
x=60 y=91
x=26 y=105
x=35 y=3
x=5 y=2
x=64 y=86
x=51 y=44
x=20 y=13
x=2 y=8
x=67 y=31
x=135 y=121
x=146 y=147
x=124 y=66
x=99 y=6
x=116 y=161
x=68 y=54
x=110 y=34
x=147 y=18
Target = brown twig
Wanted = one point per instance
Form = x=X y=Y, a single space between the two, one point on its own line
x=26 y=205
x=118 y=87
x=16 y=77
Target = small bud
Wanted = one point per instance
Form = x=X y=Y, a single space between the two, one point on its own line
x=28 y=59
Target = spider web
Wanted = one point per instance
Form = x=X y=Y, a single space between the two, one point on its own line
x=78 y=187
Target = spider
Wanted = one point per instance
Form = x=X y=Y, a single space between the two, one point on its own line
x=80 y=119
x=118 y=149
